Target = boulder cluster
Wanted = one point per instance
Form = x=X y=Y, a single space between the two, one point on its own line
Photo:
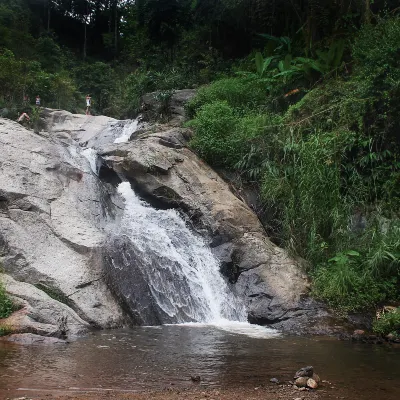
x=306 y=378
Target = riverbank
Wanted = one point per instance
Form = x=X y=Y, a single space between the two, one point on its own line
x=270 y=392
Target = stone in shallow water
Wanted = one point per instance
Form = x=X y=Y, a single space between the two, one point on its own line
x=32 y=339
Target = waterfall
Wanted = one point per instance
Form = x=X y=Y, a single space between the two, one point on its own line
x=179 y=268
x=129 y=128
x=166 y=272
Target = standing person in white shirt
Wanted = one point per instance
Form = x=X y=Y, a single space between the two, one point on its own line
x=88 y=104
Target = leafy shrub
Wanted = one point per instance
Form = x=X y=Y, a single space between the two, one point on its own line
x=328 y=165
x=223 y=134
x=5 y=330
x=215 y=138
x=242 y=93
x=6 y=305
x=345 y=285
x=388 y=323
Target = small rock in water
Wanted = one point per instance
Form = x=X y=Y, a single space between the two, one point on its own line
x=306 y=371
x=301 y=382
x=274 y=380
x=312 y=384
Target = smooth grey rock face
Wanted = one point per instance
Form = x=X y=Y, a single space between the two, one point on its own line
x=53 y=211
x=40 y=313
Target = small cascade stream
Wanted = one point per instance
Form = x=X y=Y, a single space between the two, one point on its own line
x=91 y=155
x=129 y=129
x=180 y=269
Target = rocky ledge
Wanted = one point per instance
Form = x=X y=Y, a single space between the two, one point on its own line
x=52 y=214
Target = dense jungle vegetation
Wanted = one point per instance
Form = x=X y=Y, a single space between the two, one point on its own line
x=297 y=98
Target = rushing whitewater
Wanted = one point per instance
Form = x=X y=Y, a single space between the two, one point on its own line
x=179 y=268
x=129 y=129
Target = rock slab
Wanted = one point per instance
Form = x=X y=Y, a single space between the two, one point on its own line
x=53 y=211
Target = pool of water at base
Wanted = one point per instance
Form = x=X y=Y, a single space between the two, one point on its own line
x=157 y=357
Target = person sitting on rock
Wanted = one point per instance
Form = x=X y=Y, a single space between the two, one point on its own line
x=23 y=117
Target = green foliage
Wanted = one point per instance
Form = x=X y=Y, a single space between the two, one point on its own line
x=326 y=159
x=49 y=54
x=241 y=93
x=262 y=64
x=163 y=98
x=216 y=138
x=5 y=330
x=6 y=304
x=96 y=79
x=388 y=323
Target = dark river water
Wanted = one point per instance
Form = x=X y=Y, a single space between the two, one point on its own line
x=153 y=358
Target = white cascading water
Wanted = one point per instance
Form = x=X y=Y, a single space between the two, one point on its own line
x=91 y=155
x=129 y=129
x=185 y=280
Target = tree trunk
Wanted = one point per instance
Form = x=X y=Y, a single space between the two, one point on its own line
x=367 y=11
x=85 y=40
x=48 y=15
x=116 y=28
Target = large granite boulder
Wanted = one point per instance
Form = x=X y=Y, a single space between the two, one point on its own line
x=39 y=313
x=53 y=210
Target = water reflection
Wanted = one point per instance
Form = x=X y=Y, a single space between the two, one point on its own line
x=152 y=358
